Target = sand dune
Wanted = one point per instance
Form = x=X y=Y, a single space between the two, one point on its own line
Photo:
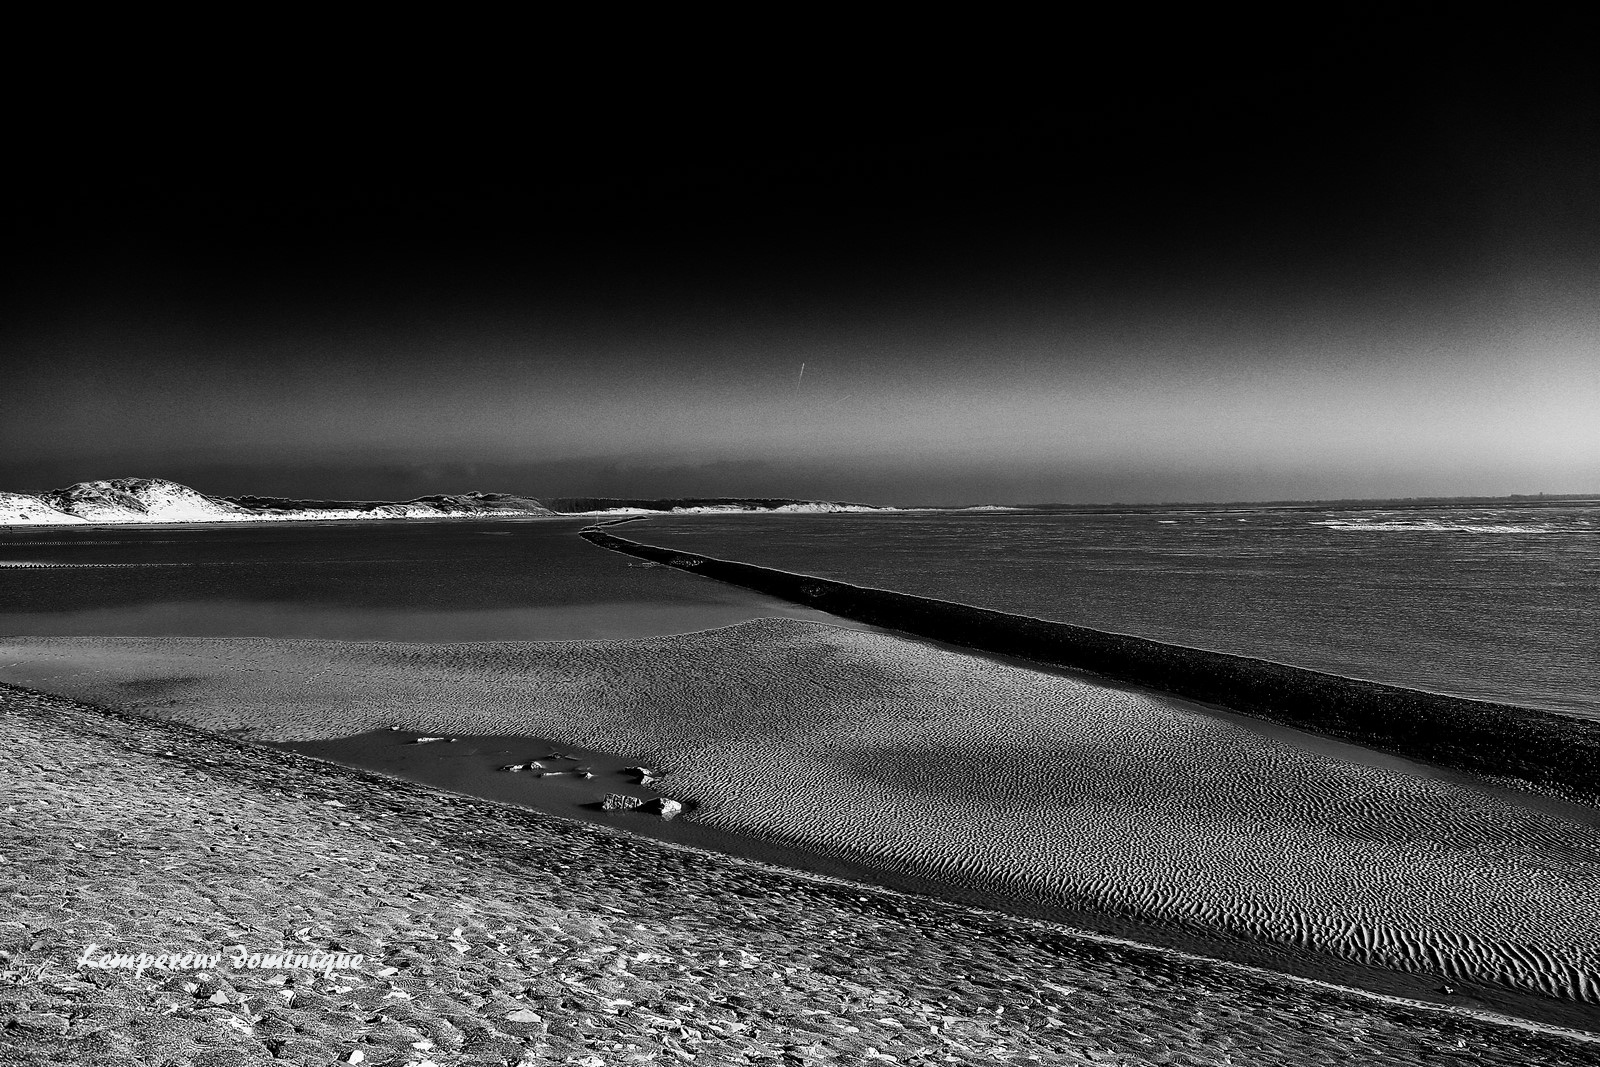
x=997 y=779
x=121 y=501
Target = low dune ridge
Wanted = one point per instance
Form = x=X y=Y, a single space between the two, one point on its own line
x=1028 y=786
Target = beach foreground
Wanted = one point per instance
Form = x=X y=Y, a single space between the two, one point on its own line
x=494 y=935
x=993 y=783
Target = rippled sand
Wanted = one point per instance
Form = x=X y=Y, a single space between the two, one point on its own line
x=494 y=936
x=999 y=779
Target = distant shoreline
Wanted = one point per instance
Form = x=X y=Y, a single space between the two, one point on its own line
x=146 y=501
x=156 y=501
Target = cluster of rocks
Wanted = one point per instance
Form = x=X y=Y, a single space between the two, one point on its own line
x=546 y=772
x=665 y=807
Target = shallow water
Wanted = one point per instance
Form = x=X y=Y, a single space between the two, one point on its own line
x=1496 y=603
x=501 y=580
x=475 y=764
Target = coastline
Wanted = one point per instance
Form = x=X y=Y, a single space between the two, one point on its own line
x=269 y=520
x=925 y=766
x=598 y=942
x=1502 y=741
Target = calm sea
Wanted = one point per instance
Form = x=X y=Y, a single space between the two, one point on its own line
x=455 y=580
x=1497 y=602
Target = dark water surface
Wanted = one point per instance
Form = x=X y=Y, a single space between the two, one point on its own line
x=1496 y=602
x=1493 y=602
x=407 y=580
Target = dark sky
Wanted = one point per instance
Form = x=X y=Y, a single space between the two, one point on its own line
x=1354 y=270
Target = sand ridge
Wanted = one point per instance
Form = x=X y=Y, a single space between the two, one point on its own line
x=994 y=778
x=500 y=936
x=1537 y=748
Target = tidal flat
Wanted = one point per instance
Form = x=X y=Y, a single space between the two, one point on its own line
x=497 y=935
x=989 y=783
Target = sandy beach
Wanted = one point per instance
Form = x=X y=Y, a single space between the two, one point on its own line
x=994 y=783
x=495 y=935
x=829 y=561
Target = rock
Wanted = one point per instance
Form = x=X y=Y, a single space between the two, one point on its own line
x=642 y=772
x=298 y=1049
x=619 y=802
x=665 y=807
x=524 y=1015
x=430 y=740
x=513 y=768
x=40 y=1020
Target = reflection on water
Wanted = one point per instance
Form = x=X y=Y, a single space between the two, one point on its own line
x=397 y=581
x=242 y=618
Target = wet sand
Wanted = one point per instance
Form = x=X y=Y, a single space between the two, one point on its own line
x=552 y=776
x=495 y=935
x=1545 y=750
x=1048 y=793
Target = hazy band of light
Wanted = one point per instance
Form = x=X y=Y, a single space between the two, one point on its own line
x=1048 y=411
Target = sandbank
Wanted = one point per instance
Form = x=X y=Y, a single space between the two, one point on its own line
x=999 y=784
x=495 y=935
